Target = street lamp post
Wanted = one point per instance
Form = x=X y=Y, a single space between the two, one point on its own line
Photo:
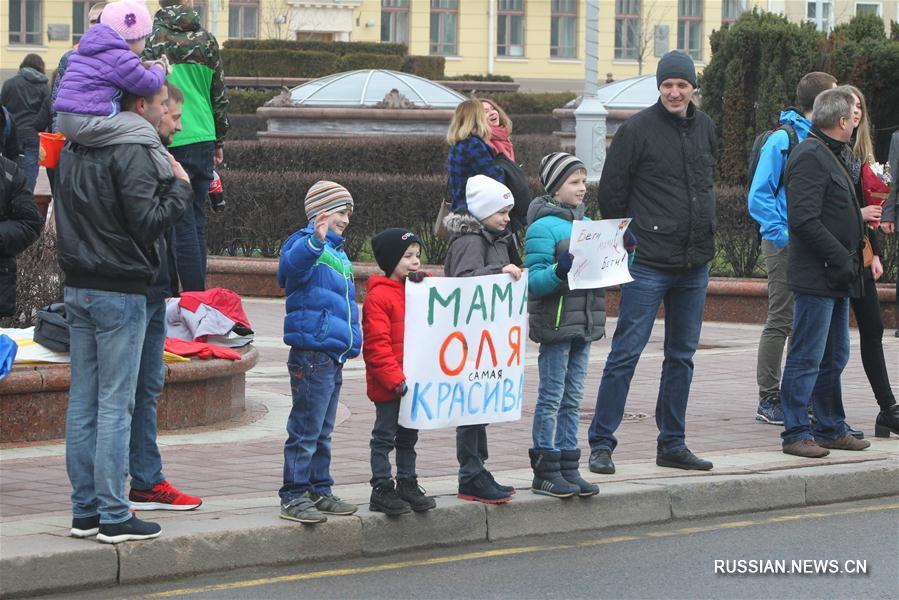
x=590 y=116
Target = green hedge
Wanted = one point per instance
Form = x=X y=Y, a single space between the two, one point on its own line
x=278 y=63
x=429 y=67
x=369 y=60
x=245 y=102
x=480 y=77
x=338 y=48
x=529 y=104
x=397 y=155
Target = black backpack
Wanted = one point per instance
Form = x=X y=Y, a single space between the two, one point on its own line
x=756 y=151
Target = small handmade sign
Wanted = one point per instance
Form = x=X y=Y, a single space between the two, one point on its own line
x=600 y=259
x=464 y=351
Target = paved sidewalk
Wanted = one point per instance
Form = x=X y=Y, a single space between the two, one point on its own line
x=236 y=468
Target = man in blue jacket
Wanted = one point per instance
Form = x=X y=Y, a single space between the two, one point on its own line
x=768 y=206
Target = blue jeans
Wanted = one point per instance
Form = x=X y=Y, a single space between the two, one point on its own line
x=190 y=230
x=30 y=168
x=106 y=332
x=315 y=380
x=471 y=450
x=562 y=367
x=145 y=461
x=683 y=293
x=819 y=350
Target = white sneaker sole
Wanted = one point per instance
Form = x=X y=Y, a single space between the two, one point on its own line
x=162 y=506
x=84 y=533
x=313 y=521
x=764 y=419
x=125 y=537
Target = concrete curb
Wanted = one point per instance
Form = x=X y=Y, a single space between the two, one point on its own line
x=51 y=563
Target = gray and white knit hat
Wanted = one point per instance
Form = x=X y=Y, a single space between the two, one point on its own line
x=555 y=169
x=326 y=196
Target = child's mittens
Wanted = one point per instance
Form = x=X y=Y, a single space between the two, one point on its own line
x=416 y=276
x=563 y=265
x=400 y=390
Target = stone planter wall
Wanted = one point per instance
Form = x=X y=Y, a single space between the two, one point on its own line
x=729 y=300
x=33 y=398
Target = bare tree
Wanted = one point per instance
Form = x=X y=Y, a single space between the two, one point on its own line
x=650 y=16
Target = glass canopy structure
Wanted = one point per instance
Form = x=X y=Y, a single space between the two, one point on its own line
x=367 y=87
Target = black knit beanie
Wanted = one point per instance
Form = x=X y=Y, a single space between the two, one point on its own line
x=676 y=65
x=389 y=247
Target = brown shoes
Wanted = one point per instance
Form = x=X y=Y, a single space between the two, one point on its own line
x=806 y=448
x=847 y=442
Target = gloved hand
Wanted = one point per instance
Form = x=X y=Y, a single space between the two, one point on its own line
x=400 y=390
x=563 y=265
x=416 y=276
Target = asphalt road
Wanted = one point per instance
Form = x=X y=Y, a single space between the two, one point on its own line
x=802 y=553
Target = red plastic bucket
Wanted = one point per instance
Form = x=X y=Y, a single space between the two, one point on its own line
x=51 y=146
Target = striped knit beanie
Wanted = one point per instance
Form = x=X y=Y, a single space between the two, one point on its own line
x=555 y=169
x=326 y=196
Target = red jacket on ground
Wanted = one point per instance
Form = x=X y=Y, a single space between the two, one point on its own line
x=383 y=326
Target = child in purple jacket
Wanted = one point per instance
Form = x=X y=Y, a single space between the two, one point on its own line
x=105 y=65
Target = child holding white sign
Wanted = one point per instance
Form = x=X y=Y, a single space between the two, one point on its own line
x=564 y=322
x=398 y=253
x=322 y=329
x=479 y=245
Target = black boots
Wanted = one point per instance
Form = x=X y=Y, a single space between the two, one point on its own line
x=414 y=495
x=887 y=421
x=568 y=467
x=384 y=499
x=548 y=480
x=601 y=462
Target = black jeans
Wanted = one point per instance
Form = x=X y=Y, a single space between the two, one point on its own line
x=471 y=451
x=190 y=230
x=870 y=333
x=387 y=435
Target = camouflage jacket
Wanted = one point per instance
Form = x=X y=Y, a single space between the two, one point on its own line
x=197 y=69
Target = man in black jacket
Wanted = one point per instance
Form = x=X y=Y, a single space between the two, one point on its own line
x=827 y=234
x=20 y=225
x=660 y=171
x=113 y=204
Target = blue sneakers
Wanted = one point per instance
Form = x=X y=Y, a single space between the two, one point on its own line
x=770 y=411
x=83 y=527
x=132 y=529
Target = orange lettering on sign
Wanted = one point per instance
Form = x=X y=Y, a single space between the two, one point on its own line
x=456 y=335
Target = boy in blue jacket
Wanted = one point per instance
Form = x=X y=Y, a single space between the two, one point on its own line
x=564 y=322
x=322 y=330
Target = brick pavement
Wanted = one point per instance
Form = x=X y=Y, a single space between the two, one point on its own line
x=245 y=461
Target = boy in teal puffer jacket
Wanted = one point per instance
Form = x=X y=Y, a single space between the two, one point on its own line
x=564 y=322
x=322 y=330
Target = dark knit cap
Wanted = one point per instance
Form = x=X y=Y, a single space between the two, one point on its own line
x=676 y=65
x=390 y=245
x=555 y=169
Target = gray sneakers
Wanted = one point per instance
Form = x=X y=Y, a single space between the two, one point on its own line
x=302 y=510
x=332 y=505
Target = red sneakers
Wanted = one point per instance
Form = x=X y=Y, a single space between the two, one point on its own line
x=162 y=497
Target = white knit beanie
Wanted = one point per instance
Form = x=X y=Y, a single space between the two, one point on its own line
x=485 y=196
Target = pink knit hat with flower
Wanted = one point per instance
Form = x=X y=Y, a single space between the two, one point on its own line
x=129 y=18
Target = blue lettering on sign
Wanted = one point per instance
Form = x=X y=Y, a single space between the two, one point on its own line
x=509 y=398
x=473 y=408
x=458 y=398
x=418 y=394
x=443 y=394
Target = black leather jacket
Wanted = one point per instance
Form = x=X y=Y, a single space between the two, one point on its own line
x=111 y=210
x=660 y=171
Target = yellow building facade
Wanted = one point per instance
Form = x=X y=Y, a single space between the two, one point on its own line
x=538 y=42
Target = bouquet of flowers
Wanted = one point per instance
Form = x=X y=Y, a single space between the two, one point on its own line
x=876 y=179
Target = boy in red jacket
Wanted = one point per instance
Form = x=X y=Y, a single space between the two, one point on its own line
x=398 y=253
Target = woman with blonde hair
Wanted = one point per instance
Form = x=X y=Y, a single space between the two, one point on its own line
x=470 y=153
x=500 y=128
x=867 y=308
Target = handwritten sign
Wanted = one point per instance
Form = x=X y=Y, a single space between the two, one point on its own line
x=600 y=259
x=464 y=351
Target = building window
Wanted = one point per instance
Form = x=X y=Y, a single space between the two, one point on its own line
x=627 y=28
x=510 y=28
x=395 y=21
x=563 y=34
x=819 y=12
x=25 y=22
x=80 y=11
x=444 y=27
x=689 y=27
x=867 y=8
x=243 y=20
x=731 y=11
x=200 y=7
